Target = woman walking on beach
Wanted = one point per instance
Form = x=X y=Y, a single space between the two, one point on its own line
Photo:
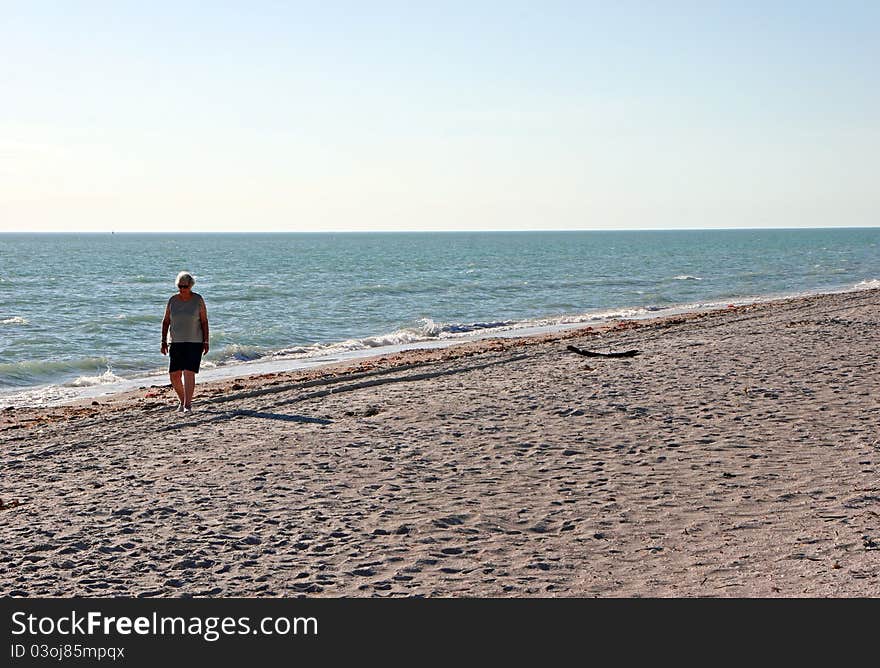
x=187 y=318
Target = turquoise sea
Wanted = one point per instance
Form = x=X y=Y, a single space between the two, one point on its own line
x=81 y=313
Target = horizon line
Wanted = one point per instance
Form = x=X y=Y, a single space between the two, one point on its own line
x=448 y=231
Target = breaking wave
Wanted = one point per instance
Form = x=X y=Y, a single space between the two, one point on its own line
x=106 y=378
x=33 y=372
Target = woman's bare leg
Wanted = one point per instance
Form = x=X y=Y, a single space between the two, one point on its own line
x=177 y=384
x=189 y=385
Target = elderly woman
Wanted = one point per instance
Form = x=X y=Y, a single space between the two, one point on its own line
x=187 y=319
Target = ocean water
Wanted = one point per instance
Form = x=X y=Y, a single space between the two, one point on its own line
x=80 y=314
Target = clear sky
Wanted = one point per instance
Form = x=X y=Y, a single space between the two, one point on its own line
x=284 y=116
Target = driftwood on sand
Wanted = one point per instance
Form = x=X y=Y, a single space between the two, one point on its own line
x=590 y=353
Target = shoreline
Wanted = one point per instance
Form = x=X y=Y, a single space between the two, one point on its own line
x=274 y=366
x=212 y=389
x=736 y=455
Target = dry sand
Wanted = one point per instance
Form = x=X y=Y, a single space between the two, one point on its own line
x=737 y=455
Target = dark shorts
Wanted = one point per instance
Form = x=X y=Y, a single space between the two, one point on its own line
x=185 y=356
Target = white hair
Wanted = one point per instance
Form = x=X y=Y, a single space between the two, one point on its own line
x=186 y=277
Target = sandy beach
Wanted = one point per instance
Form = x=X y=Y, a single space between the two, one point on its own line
x=736 y=455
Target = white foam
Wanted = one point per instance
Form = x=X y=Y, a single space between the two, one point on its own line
x=50 y=395
x=106 y=378
x=872 y=284
x=16 y=320
x=686 y=277
x=399 y=337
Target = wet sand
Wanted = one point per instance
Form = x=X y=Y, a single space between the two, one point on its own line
x=736 y=455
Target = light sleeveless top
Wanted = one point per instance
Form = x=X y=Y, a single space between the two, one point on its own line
x=186 y=326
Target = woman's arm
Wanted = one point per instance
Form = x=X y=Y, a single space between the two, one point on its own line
x=203 y=316
x=166 y=323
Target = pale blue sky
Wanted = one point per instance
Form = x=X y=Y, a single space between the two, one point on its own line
x=275 y=116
